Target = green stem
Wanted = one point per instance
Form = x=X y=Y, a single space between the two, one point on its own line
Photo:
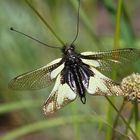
x=116 y=45
x=117 y=119
x=109 y=119
x=129 y=120
x=126 y=123
x=136 y=118
x=46 y=23
x=118 y=21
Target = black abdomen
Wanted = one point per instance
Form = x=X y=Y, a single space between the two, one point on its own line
x=76 y=74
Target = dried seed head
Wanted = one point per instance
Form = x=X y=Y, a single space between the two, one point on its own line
x=130 y=85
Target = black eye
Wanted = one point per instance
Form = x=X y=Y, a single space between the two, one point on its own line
x=72 y=47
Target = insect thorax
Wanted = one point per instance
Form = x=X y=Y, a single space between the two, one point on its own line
x=70 y=57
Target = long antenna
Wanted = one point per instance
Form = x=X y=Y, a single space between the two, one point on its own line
x=12 y=29
x=45 y=22
x=77 y=27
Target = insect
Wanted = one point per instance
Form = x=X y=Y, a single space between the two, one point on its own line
x=75 y=74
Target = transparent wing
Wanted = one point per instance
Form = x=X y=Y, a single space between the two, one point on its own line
x=106 y=60
x=102 y=85
x=38 y=78
x=60 y=96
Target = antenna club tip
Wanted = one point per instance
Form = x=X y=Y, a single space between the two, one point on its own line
x=11 y=28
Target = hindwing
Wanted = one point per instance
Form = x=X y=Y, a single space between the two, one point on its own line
x=60 y=96
x=101 y=85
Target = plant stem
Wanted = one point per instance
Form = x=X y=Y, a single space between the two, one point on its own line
x=129 y=120
x=116 y=45
x=116 y=120
x=126 y=123
x=109 y=119
x=136 y=117
x=118 y=21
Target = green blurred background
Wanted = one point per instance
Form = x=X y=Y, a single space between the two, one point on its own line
x=21 y=115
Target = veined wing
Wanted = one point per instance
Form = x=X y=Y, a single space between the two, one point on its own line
x=60 y=96
x=101 y=85
x=38 y=78
x=105 y=60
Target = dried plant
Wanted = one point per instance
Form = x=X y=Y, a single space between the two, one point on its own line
x=130 y=86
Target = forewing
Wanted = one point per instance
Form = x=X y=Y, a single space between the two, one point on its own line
x=60 y=96
x=105 y=61
x=38 y=78
x=102 y=85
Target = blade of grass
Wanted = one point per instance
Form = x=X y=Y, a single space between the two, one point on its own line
x=38 y=126
x=127 y=28
x=116 y=45
x=123 y=134
x=8 y=107
x=41 y=125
